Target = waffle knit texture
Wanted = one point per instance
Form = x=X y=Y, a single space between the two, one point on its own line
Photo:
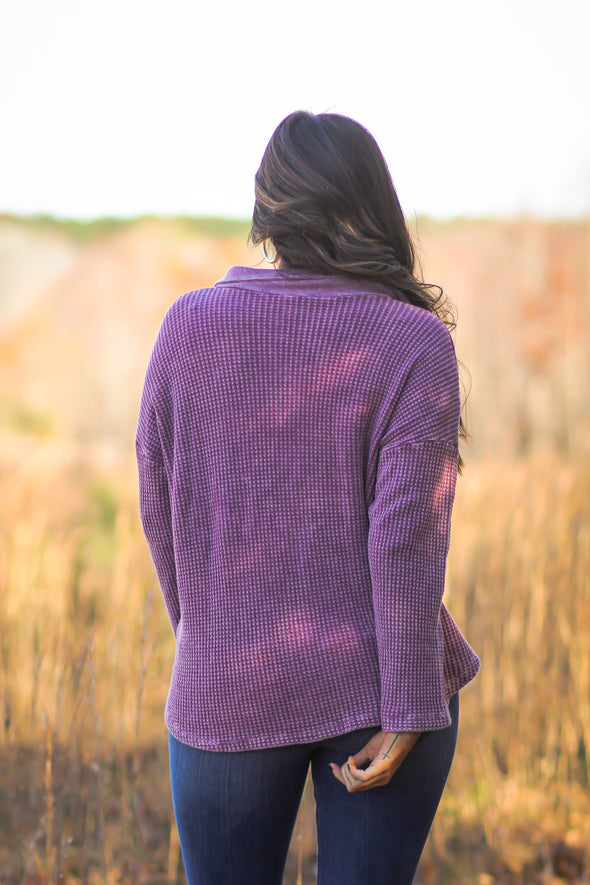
x=297 y=450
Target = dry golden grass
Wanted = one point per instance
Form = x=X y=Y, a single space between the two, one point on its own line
x=87 y=651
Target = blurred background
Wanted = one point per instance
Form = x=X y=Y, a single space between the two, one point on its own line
x=131 y=136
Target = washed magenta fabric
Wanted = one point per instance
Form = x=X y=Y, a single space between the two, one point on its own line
x=297 y=450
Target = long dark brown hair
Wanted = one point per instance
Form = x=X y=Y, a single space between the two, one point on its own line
x=326 y=202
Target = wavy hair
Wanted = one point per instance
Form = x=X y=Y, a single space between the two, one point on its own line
x=325 y=199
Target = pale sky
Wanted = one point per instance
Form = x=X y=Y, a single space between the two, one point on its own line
x=133 y=106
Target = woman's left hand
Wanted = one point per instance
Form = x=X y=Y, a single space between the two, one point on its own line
x=385 y=752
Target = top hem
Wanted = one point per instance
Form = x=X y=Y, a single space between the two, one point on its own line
x=438 y=721
x=262 y=742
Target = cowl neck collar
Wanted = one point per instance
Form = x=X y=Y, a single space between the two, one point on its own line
x=296 y=282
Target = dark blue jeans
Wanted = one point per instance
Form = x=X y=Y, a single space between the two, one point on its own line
x=236 y=811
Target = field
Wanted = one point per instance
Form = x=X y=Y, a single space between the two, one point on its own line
x=86 y=649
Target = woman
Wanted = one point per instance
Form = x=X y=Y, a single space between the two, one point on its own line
x=298 y=449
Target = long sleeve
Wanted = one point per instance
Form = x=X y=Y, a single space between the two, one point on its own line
x=154 y=507
x=408 y=542
x=154 y=492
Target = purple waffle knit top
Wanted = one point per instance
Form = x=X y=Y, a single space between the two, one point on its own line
x=297 y=449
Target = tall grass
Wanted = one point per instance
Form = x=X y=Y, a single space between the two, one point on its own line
x=519 y=580
x=87 y=650
x=79 y=636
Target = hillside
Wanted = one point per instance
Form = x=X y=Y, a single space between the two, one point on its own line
x=72 y=358
x=80 y=307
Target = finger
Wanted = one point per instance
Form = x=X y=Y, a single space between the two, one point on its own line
x=362 y=757
x=345 y=774
x=349 y=783
x=379 y=772
x=362 y=775
x=356 y=774
x=342 y=773
x=356 y=786
x=337 y=772
x=355 y=778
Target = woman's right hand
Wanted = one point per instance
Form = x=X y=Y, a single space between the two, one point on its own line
x=385 y=752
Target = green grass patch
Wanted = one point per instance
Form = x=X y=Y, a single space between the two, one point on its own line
x=87 y=230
